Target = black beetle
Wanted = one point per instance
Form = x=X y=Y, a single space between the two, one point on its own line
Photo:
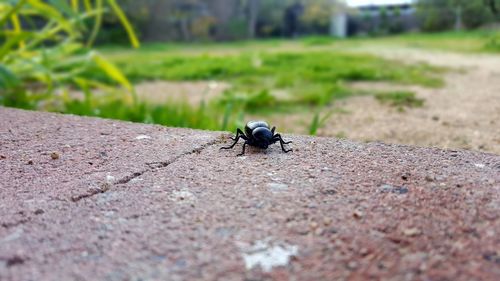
x=258 y=134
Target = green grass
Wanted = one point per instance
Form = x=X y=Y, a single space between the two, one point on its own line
x=318 y=40
x=174 y=115
x=400 y=99
x=308 y=78
x=493 y=44
x=266 y=76
x=463 y=41
x=179 y=114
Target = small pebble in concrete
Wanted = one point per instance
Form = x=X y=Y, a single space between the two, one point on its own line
x=410 y=232
x=329 y=192
x=358 y=214
x=142 y=137
x=100 y=188
x=352 y=265
x=480 y=165
x=264 y=254
x=492 y=256
x=313 y=225
x=182 y=196
x=430 y=178
x=15 y=260
x=54 y=155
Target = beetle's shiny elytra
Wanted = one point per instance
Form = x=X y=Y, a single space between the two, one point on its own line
x=258 y=134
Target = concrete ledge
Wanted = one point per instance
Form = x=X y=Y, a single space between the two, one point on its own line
x=92 y=199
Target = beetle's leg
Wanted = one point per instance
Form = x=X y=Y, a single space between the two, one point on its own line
x=239 y=135
x=277 y=137
x=283 y=148
x=232 y=145
x=243 y=151
x=272 y=130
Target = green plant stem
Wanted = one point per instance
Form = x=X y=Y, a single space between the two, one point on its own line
x=16 y=8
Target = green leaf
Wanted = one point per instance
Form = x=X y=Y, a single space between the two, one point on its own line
x=111 y=70
x=7 y=79
x=97 y=24
x=5 y=17
x=126 y=24
x=9 y=45
x=63 y=6
x=53 y=14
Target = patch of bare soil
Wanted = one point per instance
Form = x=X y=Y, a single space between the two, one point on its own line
x=192 y=92
x=463 y=114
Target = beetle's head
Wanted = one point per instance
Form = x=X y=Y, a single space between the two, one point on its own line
x=263 y=136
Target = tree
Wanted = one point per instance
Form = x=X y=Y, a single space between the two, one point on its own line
x=253 y=14
x=493 y=5
x=442 y=14
x=317 y=15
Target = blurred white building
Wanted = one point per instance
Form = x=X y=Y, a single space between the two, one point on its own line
x=373 y=16
x=364 y=3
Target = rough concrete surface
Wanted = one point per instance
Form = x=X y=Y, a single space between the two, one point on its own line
x=92 y=199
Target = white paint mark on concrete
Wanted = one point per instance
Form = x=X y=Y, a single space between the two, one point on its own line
x=142 y=137
x=110 y=178
x=277 y=187
x=267 y=255
x=13 y=236
x=136 y=180
x=480 y=165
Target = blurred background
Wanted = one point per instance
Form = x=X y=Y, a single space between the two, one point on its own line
x=421 y=72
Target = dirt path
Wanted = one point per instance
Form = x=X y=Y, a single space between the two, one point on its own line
x=463 y=114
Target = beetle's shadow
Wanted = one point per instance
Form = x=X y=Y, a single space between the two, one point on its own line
x=252 y=150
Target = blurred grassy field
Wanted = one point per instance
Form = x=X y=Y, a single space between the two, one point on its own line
x=270 y=76
x=481 y=41
x=304 y=78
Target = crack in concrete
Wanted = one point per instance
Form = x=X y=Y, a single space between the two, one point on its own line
x=162 y=164
x=8 y=225
x=91 y=192
x=128 y=178
x=151 y=166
